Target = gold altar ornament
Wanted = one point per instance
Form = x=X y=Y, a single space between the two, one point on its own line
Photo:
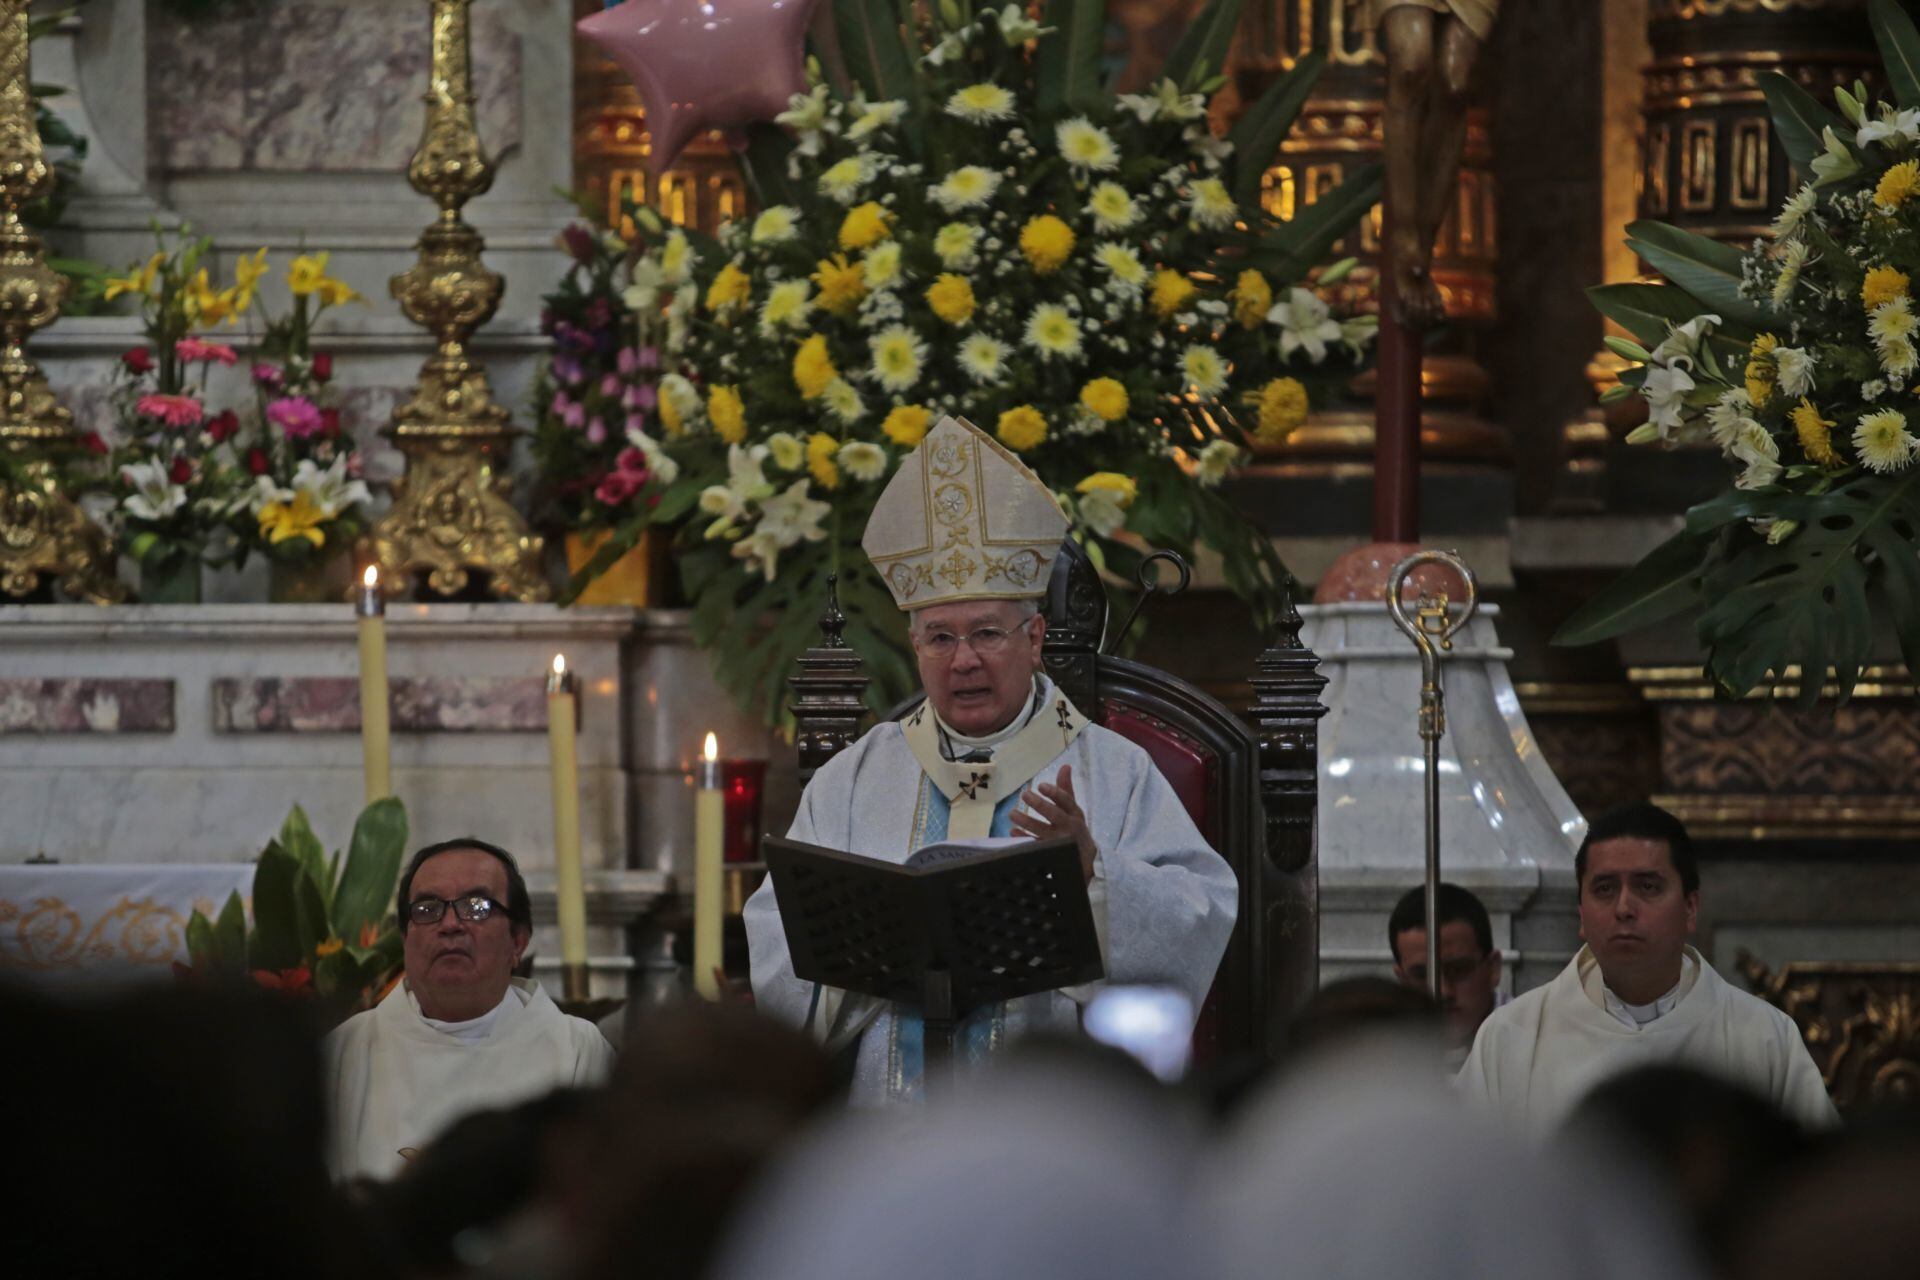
x=42 y=532
x=451 y=514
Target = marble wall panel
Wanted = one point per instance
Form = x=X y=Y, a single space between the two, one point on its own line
x=86 y=706
x=423 y=704
x=312 y=86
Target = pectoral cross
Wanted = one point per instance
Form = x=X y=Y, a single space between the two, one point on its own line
x=975 y=781
x=1066 y=722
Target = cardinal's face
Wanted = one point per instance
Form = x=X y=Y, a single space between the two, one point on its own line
x=977 y=660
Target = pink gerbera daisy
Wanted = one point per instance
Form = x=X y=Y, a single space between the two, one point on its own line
x=297 y=416
x=175 y=411
x=200 y=351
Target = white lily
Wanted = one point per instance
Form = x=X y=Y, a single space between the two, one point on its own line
x=330 y=491
x=154 y=496
x=1016 y=28
x=1666 y=391
x=1836 y=163
x=1165 y=100
x=1305 y=324
x=1682 y=343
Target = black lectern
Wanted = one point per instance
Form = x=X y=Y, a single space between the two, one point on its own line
x=947 y=937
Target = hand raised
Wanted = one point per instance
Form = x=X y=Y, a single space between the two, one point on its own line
x=1056 y=815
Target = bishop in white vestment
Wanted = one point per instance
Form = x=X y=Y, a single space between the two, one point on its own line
x=458 y=1033
x=965 y=537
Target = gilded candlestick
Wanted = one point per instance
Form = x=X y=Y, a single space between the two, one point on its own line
x=451 y=513
x=42 y=531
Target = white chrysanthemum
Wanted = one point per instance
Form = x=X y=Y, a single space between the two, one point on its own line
x=863 y=460
x=965 y=188
x=983 y=359
x=843 y=401
x=1052 y=331
x=980 y=103
x=787 y=450
x=1755 y=447
x=1883 y=442
x=806 y=110
x=881 y=267
x=1211 y=204
x=877 y=116
x=787 y=305
x=842 y=181
x=898 y=356
x=1086 y=146
x=1216 y=461
x=1794 y=211
x=1892 y=329
x=1794 y=368
x=1725 y=415
x=1206 y=371
x=1123 y=264
x=1792 y=262
x=776 y=225
x=954 y=245
x=1111 y=208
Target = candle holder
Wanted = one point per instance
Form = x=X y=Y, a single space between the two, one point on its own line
x=451 y=514
x=43 y=533
x=743 y=784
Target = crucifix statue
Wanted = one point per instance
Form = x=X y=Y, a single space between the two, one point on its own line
x=1432 y=48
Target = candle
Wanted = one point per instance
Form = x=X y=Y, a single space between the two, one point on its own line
x=709 y=817
x=370 y=612
x=561 y=719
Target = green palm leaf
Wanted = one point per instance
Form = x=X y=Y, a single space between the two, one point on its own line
x=1705 y=268
x=1899 y=42
x=1799 y=120
x=1257 y=135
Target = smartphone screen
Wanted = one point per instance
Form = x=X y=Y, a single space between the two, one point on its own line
x=1153 y=1024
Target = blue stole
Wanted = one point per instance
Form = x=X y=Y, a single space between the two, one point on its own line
x=981 y=1032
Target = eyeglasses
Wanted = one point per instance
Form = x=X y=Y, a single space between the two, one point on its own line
x=985 y=641
x=475 y=908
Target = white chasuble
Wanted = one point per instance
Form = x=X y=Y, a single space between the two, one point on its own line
x=1536 y=1058
x=1164 y=903
x=393 y=1080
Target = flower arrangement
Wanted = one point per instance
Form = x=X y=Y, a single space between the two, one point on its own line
x=1797 y=359
x=173 y=474
x=970 y=224
x=320 y=929
x=307 y=500
x=597 y=386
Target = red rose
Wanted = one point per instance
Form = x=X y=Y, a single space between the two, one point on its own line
x=139 y=360
x=181 y=471
x=322 y=367
x=223 y=425
x=330 y=422
x=94 y=442
x=257 y=461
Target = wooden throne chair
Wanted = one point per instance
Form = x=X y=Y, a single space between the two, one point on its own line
x=1249 y=784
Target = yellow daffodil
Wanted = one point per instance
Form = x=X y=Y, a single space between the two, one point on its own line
x=139 y=282
x=248 y=272
x=284 y=521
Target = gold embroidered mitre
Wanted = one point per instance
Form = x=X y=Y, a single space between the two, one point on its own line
x=963 y=519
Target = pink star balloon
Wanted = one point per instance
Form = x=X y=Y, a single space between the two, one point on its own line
x=705 y=64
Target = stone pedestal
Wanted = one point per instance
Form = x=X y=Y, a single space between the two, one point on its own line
x=1508 y=832
x=183 y=734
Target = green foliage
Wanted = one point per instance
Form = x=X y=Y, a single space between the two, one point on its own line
x=1202 y=49
x=1707 y=269
x=1265 y=125
x=1899 y=45
x=1067 y=67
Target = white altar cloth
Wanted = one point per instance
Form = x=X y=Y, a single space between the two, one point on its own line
x=67 y=924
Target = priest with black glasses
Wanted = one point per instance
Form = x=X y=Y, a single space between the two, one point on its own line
x=458 y=1033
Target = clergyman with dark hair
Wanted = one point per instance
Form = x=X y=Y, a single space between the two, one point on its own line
x=1637 y=994
x=459 y=1033
x=1469 y=962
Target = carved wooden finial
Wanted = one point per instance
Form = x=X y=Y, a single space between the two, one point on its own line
x=829 y=690
x=1286 y=715
x=1076 y=612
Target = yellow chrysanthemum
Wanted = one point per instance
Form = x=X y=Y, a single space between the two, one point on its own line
x=305 y=274
x=1047 y=243
x=951 y=298
x=1252 y=298
x=1170 y=291
x=728 y=413
x=865 y=224
x=821 y=448
x=1022 y=428
x=1121 y=489
x=1882 y=285
x=670 y=415
x=813 y=368
x=1106 y=399
x=842 y=284
x=1760 y=371
x=730 y=288
x=906 y=426
x=1816 y=435
x=1898 y=185
x=1280 y=407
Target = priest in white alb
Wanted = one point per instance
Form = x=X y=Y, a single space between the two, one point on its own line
x=1637 y=994
x=459 y=1033
x=965 y=537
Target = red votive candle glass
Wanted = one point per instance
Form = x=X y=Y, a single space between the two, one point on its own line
x=742 y=784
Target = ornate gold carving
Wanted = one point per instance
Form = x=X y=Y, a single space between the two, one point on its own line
x=451 y=514
x=1699 y=142
x=1861 y=1022
x=1654 y=195
x=42 y=532
x=1751 y=142
x=1688 y=10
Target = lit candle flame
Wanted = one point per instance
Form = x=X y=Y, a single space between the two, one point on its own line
x=559 y=664
x=371 y=578
x=711 y=751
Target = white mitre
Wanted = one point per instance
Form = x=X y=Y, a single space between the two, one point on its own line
x=963 y=519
